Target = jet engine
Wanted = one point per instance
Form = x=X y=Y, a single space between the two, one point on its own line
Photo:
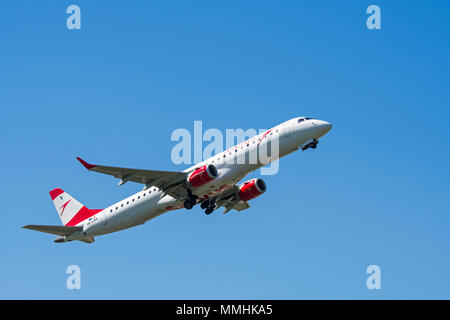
x=251 y=189
x=202 y=175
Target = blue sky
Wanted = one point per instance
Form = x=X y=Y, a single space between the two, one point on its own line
x=375 y=191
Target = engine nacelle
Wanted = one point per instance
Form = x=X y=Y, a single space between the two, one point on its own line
x=251 y=189
x=202 y=175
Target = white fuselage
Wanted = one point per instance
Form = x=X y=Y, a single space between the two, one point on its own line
x=148 y=204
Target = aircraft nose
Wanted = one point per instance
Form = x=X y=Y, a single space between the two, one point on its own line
x=326 y=126
x=323 y=127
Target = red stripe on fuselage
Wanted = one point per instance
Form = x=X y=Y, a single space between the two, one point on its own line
x=82 y=215
x=263 y=137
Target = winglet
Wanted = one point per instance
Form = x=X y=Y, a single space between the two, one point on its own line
x=85 y=164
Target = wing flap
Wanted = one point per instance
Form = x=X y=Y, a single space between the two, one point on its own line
x=241 y=205
x=236 y=205
x=229 y=200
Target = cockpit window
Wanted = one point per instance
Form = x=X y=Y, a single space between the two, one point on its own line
x=303 y=119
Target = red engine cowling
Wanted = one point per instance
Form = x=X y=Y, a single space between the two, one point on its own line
x=202 y=175
x=251 y=189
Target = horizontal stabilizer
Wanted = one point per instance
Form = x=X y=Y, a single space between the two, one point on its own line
x=58 y=230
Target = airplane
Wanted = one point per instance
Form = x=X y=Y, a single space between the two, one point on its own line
x=211 y=183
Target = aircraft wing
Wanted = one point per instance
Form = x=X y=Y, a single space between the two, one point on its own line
x=230 y=200
x=168 y=181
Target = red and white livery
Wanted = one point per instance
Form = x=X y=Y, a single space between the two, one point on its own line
x=211 y=184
